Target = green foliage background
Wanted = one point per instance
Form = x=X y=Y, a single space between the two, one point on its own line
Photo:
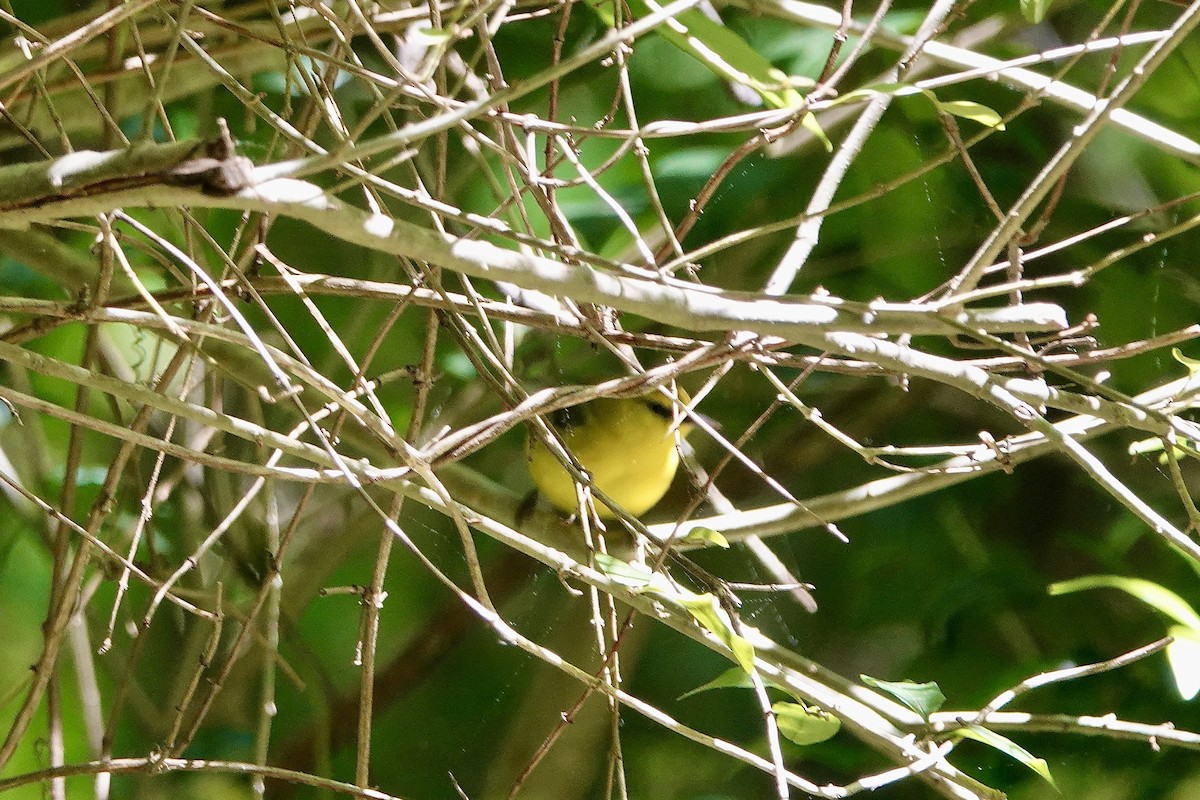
x=948 y=587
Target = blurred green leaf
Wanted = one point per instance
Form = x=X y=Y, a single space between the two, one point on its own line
x=1183 y=448
x=813 y=126
x=968 y=109
x=803 y=724
x=720 y=49
x=632 y=575
x=1192 y=365
x=701 y=534
x=732 y=678
x=1183 y=656
x=707 y=611
x=871 y=89
x=1009 y=748
x=923 y=698
x=1034 y=11
x=433 y=35
x=1148 y=592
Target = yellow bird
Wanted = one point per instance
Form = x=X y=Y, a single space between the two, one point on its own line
x=626 y=445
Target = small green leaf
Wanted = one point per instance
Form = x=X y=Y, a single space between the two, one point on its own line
x=433 y=35
x=805 y=724
x=737 y=678
x=635 y=576
x=968 y=109
x=707 y=612
x=894 y=89
x=811 y=125
x=1183 y=448
x=1009 y=748
x=1193 y=366
x=1186 y=447
x=923 y=698
x=720 y=49
x=702 y=534
x=1034 y=11
x=732 y=678
x=1183 y=655
x=1149 y=593
x=1144 y=447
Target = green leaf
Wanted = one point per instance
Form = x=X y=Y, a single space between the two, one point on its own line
x=1009 y=748
x=707 y=612
x=968 y=109
x=1183 y=448
x=732 y=678
x=1183 y=655
x=1149 y=593
x=964 y=108
x=433 y=35
x=865 y=92
x=702 y=534
x=1193 y=366
x=923 y=698
x=719 y=49
x=635 y=576
x=1144 y=447
x=810 y=124
x=805 y=724
x=737 y=678
x=1034 y=11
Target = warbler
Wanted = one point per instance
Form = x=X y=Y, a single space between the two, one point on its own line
x=626 y=445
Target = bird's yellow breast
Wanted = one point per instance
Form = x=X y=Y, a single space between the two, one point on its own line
x=626 y=445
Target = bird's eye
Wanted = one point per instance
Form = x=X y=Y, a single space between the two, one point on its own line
x=660 y=410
